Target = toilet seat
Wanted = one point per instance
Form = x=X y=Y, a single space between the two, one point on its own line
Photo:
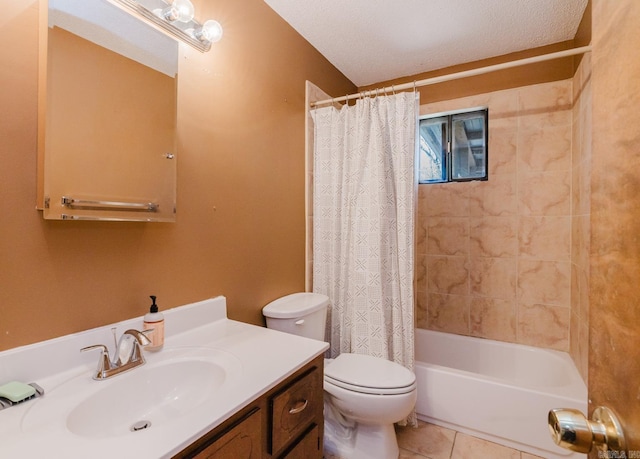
x=369 y=375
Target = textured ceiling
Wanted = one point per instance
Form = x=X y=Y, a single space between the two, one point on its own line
x=372 y=41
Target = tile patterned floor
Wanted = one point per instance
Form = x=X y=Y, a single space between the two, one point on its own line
x=429 y=441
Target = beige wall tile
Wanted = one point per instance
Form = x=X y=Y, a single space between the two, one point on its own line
x=575 y=289
x=547 y=282
x=448 y=236
x=580 y=240
x=544 y=193
x=576 y=183
x=574 y=338
x=493 y=277
x=544 y=238
x=542 y=119
x=448 y=313
x=584 y=183
x=584 y=248
x=493 y=319
x=544 y=325
x=421 y=234
x=583 y=291
x=583 y=350
x=493 y=237
x=580 y=217
x=503 y=142
x=445 y=200
x=496 y=196
x=503 y=104
x=421 y=272
x=448 y=275
x=544 y=148
x=546 y=97
x=422 y=319
x=520 y=231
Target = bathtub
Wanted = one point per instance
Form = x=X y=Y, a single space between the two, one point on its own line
x=501 y=392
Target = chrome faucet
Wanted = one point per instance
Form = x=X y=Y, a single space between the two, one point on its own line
x=128 y=355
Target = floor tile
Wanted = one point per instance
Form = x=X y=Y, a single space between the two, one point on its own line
x=468 y=447
x=427 y=440
x=406 y=454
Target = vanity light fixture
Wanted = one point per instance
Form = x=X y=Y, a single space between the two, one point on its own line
x=177 y=18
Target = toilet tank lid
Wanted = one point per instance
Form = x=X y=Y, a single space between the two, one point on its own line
x=295 y=305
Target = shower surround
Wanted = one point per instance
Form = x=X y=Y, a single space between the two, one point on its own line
x=501 y=259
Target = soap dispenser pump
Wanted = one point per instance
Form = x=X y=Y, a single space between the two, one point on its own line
x=154 y=320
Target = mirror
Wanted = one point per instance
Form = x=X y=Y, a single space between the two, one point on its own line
x=108 y=94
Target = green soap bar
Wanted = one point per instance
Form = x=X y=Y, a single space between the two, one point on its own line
x=16 y=391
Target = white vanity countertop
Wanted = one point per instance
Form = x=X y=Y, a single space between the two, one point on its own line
x=257 y=360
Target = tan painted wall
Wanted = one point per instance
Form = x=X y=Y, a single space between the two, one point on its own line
x=241 y=221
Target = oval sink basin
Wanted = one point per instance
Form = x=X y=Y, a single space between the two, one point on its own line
x=174 y=383
x=146 y=396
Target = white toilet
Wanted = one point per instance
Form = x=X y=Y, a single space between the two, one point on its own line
x=364 y=395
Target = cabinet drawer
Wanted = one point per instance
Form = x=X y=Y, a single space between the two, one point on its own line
x=294 y=409
x=308 y=447
x=242 y=440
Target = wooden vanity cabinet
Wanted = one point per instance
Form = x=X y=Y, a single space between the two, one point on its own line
x=286 y=422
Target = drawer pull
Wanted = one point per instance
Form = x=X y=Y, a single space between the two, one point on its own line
x=300 y=406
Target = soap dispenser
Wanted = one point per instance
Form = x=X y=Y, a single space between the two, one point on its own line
x=154 y=320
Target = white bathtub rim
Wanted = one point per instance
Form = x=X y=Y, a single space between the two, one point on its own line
x=574 y=387
x=575 y=390
x=460 y=399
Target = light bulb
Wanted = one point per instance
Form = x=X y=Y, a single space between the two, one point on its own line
x=180 y=10
x=211 y=31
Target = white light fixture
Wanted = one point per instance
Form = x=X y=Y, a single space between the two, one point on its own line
x=179 y=10
x=177 y=18
x=210 y=31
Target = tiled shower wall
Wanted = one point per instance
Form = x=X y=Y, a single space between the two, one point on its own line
x=580 y=216
x=493 y=259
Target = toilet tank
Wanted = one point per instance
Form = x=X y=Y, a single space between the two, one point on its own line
x=303 y=314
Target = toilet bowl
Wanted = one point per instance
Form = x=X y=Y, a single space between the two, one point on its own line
x=364 y=395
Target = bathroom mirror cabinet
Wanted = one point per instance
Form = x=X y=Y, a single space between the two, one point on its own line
x=107 y=115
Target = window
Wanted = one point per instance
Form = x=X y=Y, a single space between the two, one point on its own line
x=453 y=147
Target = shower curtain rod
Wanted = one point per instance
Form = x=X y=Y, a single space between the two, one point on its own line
x=458 y=75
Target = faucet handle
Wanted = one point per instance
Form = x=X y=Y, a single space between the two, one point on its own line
x=140 y=336
x=102 y=347
x=104 y=363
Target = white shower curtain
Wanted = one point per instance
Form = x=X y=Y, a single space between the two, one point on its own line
x=363 y=222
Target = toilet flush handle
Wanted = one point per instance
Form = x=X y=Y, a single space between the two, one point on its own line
x=571 y=429
x=299 y=322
